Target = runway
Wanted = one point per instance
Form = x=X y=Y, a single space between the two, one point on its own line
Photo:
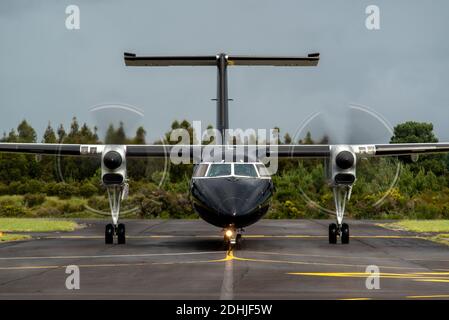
x=185 y=259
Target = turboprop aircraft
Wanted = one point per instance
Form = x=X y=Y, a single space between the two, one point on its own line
x=231 y=187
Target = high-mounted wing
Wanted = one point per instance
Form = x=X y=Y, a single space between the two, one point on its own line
x=52 y=148
x=293 y=151
x=410 y=148
x=281 y=151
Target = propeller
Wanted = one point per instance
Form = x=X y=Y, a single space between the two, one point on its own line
x=127 y=119
x=351 y=124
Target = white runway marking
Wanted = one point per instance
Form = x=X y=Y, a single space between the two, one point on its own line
x=113 y=256
x=227 y=287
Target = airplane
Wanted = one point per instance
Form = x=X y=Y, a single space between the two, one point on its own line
x=230 y=188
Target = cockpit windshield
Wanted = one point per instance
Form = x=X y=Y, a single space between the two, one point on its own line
x=219 y=169
x=224 y=169
x=244 y=169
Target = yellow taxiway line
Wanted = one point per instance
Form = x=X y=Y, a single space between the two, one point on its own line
x=429 y=296
x=247 y=236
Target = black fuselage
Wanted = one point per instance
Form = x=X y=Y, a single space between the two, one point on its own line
x=231 y=201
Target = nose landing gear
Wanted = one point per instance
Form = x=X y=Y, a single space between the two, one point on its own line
x=232 y=238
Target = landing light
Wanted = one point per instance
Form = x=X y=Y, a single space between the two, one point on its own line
x=228 y=233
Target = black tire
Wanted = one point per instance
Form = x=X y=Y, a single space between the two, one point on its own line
x=121 y=234
x=344 y=233
x=109 y=234
x=238 y=242
x=332 y=233
x=227 y=244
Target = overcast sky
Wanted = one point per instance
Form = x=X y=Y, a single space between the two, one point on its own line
x=400 y=72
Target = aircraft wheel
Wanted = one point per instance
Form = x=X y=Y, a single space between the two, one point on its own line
x=121 y=237
x=344 y=233
x=332 y=233
x=238 y=241
x=226 y=243
x=109 y=234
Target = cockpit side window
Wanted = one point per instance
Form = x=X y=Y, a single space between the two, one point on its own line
x=245 y=169
x=200 y=170
x=263 y=171
x=219 y=169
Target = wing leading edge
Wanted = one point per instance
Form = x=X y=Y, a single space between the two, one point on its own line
x=281 y=151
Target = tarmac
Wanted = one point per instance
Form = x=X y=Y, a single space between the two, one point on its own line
x=186 y=259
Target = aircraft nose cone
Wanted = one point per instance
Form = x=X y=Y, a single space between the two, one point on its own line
x=232 y=205
x=224 y=201
x=232 y=197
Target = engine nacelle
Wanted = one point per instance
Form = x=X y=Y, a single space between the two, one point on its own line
x=113 y=165
x=341 y=166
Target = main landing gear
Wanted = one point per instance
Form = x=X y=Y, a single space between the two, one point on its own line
x=340 y=229
x=342 y=232
x=232 y=238
x=111 y=231
x=116 y=193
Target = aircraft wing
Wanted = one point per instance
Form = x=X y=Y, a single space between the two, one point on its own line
x=291 y=151
x=398 y=149
x=302 y=151
x=282 y=151
x=373 y=150
x=51 y=148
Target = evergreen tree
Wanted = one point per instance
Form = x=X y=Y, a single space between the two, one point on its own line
x=61 y=133
x=110 y=135
x=49 y=135
x=287 y=138
x=140 y=136
x=120 y=135
x=26 y=133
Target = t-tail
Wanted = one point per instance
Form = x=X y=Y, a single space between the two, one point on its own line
x=221 y=62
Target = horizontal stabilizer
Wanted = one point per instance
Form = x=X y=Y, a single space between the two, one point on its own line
x=165 y=61
x=310 y=61
x=132 y=59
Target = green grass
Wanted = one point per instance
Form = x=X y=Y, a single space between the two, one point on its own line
x=441 y=238
x=13 y=237
x=439 y=228
x=36 y=225
x=419 y=225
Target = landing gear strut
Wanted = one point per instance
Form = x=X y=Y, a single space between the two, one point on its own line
x=116 y=194
x=340 y=229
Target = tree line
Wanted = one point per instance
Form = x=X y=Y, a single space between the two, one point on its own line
x=54 y=186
